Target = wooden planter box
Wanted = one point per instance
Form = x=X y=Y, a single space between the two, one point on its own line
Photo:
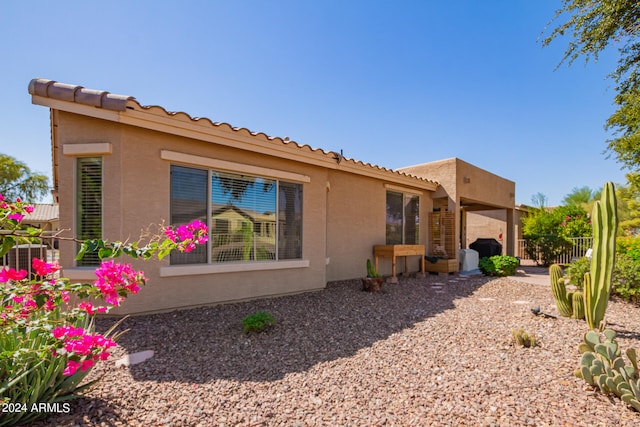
x=442 y=266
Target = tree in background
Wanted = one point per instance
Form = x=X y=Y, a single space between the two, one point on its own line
x=17 y=180
x=547 y=231
x=584 y=197
x=594 y=25
x=629 y=205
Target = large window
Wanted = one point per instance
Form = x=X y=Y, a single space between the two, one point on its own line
x=250 y=218
x=89 y=204
x=403 y=218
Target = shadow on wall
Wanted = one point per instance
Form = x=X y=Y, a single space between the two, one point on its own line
x=206 y=344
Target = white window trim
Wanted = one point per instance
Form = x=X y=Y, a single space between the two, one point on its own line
x=228 y=166
x=196 y=269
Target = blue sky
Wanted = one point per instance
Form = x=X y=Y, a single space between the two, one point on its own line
x=393 y=83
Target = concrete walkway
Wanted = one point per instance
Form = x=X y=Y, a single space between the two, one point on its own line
x=533 y=274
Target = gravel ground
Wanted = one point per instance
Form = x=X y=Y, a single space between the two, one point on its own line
x=432 y=351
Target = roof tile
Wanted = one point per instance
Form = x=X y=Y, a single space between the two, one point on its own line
x=102 y=99
x=75 y=93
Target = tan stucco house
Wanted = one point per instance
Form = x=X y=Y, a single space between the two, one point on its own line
x=283 y=217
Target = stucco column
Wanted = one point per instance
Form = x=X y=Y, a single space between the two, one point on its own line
x=511 y=232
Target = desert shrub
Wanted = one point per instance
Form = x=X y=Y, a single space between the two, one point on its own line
x=576 y=271
x=498 y=265
x=258 y=321
x=546 y=232
x=626 y=278
x=629 y=245
x=545 y=248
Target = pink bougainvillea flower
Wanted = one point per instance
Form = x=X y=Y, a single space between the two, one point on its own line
x=186 y=236
x=28 y=209
x=86 y=364
x=15 y=216
x=7 y=274
x=90 y=309
x=72 y=367
x=43 y=268
x=50 y=304
x=113 y=277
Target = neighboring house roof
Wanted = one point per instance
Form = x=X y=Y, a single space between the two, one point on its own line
x=43 y=212
x=126 y=109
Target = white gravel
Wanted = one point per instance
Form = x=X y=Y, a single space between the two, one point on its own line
x=434 y=351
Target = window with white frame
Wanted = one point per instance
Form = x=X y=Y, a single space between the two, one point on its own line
x=403 y=218
x=88 y=204
x=250 y=218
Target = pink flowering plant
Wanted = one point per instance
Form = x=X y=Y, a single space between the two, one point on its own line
x=48 y=343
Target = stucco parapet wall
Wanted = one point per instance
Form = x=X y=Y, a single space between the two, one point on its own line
x=92 y=103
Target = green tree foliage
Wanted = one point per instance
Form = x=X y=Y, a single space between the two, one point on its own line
x=17 y=180
x=583 y=197
x=547 y=230
x=629 y=205
x=594 y=25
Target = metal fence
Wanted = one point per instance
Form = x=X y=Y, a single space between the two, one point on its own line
x=580 y=247
x=21 y=256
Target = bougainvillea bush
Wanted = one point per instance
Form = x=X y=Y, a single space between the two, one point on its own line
x=48 y=345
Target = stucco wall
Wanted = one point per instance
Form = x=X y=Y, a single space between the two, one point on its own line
x=344 y=216
x=136 y=195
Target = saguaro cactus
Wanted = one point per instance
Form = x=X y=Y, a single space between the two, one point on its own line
x=577 y=305
x=604 y=219
x=559 y=290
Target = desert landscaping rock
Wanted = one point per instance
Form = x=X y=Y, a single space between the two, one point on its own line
x=411 y=355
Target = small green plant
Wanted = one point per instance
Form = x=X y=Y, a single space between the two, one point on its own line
x=498 y=265
x=576 y=271
x=371 y=270
x=603 y=366
x=523 y=339
x=258 y=321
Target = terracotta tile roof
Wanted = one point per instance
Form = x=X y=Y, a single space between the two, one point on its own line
x=74 y=93
x=102 y=99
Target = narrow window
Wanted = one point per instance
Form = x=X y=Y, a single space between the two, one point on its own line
x=403 y=219
x=411 y=220
x=290 y=221
x=394 y=218
x=89 y=204
x=188 y=203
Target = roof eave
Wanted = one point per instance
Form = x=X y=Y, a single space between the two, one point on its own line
x=130 y=112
